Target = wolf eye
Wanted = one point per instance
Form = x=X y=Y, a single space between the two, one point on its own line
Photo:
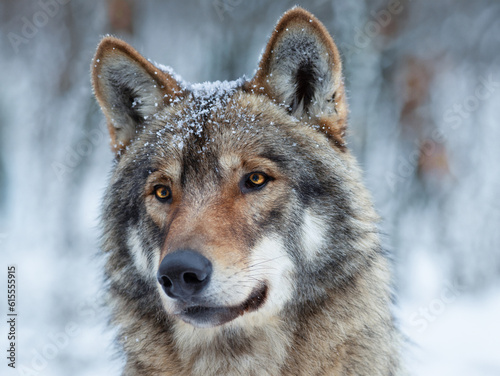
x=254 y=181
x=163 y=193
x=257 y=178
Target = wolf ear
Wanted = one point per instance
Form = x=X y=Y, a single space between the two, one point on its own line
x=129 y=89
x=301 y=68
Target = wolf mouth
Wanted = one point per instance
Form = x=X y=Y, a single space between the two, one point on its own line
x=204 y=316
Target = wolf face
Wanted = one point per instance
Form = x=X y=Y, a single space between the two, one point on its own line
x=236 y=206
x=224 y=205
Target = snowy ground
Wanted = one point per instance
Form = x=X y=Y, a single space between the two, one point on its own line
x=463 y=340
x=450 y=332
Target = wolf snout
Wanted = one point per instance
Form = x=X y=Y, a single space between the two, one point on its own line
x=184 y=274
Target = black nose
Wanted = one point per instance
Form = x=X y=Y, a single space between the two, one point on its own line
x=183 y=274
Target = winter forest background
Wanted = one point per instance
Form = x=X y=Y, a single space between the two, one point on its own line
x=423 y=80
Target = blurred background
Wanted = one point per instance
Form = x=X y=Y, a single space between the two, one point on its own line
x=423 y=81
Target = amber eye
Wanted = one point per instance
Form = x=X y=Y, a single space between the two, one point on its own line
x=163 y=193
x=257 y=178
x=254 y=181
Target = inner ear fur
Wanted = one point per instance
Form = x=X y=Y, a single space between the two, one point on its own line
x=302 y=70
x=129 y=89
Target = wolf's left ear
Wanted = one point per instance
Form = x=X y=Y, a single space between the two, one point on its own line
x=129 y=89
x=301 y=68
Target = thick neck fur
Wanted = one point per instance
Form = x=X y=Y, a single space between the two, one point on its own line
x=259 y=348
x=232 y=350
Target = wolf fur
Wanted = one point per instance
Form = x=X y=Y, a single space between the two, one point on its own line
x=306 y=240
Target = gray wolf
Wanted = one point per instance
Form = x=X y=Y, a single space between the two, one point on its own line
x=238 y=236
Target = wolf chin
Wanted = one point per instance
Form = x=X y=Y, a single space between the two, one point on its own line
x=238 y=237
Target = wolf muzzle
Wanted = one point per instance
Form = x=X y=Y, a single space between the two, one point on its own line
x=184 y=274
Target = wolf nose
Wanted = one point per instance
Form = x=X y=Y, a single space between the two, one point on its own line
x=184 y=274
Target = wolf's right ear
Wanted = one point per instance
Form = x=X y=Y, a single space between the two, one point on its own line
x=129 y=89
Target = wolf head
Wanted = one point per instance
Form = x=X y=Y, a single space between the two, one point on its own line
x=233 y=203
